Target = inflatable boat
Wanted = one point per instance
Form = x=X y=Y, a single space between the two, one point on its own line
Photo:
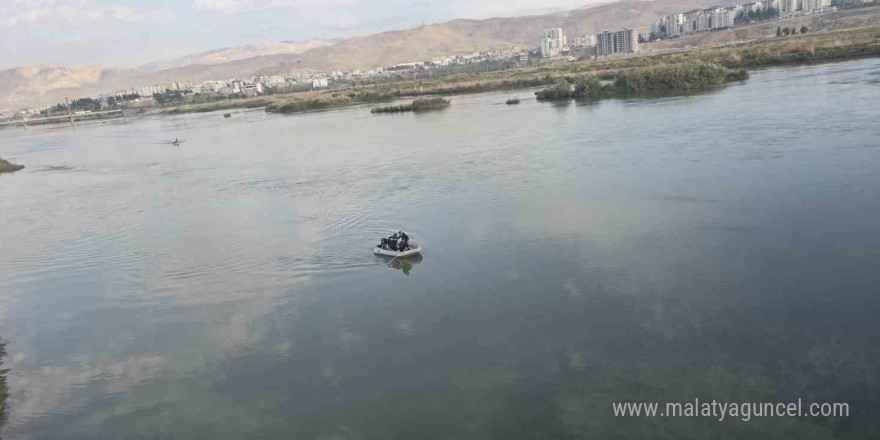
x=412 y=250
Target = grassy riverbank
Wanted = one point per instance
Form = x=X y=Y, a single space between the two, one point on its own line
x=63 y=119
x=419 y=104
x=220 y=105
x=771 y=51
x=631 y=74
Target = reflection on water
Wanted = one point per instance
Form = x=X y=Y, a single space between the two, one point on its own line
x=715 y=246
x=404 y=264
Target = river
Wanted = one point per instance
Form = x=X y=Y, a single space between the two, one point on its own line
x=723 y=245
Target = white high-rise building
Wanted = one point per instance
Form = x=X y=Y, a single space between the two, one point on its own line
x=815 y=6
x=720 y=18
x=552 y=42
x=704 y=19
x=673 y=25
x=788 y=7
x=585 y=41
x=622 y=41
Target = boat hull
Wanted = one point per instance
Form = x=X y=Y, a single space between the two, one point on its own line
x=414 y=249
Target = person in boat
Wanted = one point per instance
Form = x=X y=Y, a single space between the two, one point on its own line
x=392 y=242
x=402 y=241
x=175 y=141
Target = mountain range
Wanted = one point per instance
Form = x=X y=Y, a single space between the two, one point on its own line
x=46 y=85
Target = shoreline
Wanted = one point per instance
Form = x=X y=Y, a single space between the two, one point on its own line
x=771 y=51
x=811 y=48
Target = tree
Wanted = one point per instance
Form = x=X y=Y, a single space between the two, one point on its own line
x=804 y=29
x=786 y=31
x=778 y=31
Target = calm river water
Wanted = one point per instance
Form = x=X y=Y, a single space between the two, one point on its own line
x=719 y=246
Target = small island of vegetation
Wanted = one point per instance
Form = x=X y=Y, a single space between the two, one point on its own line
x=322 y=101
x=419 y=104
x=6 y=167
x=512 y=101
x=658 y=78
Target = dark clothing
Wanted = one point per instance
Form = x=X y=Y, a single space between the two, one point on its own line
x=397 y=242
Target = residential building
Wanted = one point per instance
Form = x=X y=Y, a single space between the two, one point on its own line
x=703 y=21
x=690 y=21
x=585 y=41
x=769 y=4
x=815 y=6
x=552 y=42
x=674 y=24
x=622 y=41
x=720 y=18
x=788 y=7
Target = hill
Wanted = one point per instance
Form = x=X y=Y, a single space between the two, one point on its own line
x=225 y=55
x=32 y=86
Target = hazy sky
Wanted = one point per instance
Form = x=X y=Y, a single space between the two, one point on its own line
x=134 y=32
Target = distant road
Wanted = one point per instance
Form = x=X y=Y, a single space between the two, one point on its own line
x=85 y=116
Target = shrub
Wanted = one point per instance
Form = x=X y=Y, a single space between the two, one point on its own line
x=587 y=87
x=560 y=90
x=419 y=104
x=664 y=77
x=429 y=103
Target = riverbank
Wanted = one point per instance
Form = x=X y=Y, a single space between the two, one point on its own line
x=770 y=51
x=7 y=167
x=63 y=119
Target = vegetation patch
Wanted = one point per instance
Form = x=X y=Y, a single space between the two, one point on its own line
x=322 y=101
x=512 y=101
x=671 y=77
x=560 y=90
x=419 y=104
x=6 y=167
x=656 y=78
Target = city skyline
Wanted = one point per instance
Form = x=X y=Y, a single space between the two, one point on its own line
x=130 y=33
